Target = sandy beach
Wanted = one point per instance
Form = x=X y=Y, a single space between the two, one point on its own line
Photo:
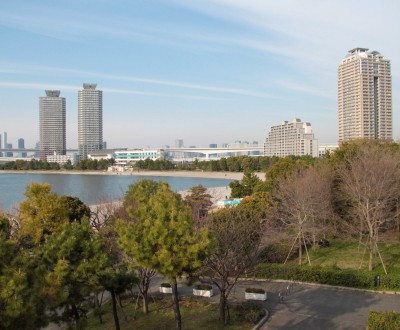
x=190 y=174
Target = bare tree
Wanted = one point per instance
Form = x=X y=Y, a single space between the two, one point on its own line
x=304 y=203
x=370 y=181
x=237 y=238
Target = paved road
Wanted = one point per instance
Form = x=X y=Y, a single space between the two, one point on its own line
x=307 y=307
x=315 y=307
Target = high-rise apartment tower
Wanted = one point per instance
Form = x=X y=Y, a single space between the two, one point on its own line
x=90 y=120
x=364 y=96
x=52 y=123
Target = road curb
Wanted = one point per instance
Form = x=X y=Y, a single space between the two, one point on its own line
x=262 y=321
x=321 y=285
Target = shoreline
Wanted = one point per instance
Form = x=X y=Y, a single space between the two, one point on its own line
x=187 y=174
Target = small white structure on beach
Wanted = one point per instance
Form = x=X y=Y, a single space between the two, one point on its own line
x=228 y=202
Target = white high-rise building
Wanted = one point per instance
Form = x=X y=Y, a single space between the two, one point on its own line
x=291 y=138
x=90 y=120
x=52 y=124
x=364 y=96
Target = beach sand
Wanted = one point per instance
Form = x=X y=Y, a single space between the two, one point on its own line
x=193 y=174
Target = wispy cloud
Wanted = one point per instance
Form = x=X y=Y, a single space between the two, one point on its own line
x=149 y=81
x=300 y=87
x=49 y=86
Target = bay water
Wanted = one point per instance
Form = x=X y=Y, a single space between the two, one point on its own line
x=91 y=189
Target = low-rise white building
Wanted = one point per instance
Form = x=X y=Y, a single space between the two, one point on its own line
x=324 y=149
x=62 y=159
x=124 y=157
x=291 y=138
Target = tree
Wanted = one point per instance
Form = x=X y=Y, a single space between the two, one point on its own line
x=370 y=181
x=199 y=201
x=163 y=238
x=237 y=239
x=41 y=213
x=247 y=186
x=73 y=261
x=304 y=201
x=22 y=305
x=284 y=167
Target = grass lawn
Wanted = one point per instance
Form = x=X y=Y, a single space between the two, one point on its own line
x=196 y=314
x=349 y=254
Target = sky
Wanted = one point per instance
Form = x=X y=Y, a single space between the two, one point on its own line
x=205 y=71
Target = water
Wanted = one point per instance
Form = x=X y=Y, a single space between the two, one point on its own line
x=91 y=189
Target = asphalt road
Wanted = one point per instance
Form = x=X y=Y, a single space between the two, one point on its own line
x=306 y=306
x=316 y=307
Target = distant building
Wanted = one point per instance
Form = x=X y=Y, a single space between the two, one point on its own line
x=90 y=120
x=364 y=96
x=62 y=159
x=1 y=154
x=291 y=138
x=124 y=157
x=104 y=144
x=179 y=143
x=52 y=124
x=103 y=154
x=7 y=146
x=21 y=146
x=324 y=149
x=213 y=145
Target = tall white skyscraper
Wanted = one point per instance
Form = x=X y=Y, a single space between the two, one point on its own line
x=364 y=96
x=52 y=124
x=291 y=138
x=90 y=120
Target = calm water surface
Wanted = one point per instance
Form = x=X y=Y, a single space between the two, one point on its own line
x=89 y=188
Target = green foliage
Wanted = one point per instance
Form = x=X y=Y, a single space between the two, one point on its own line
x=73 y=262
x=249 y=311
x=328 y=275
x=162 y=236
x=26 y=165
x=154 y=165
x=255 y=290
x=199 y=201
x=283 y=167
x=247 y=186
x=21 y=302
x=378 y=320
x=94 y=164
x=43 y=212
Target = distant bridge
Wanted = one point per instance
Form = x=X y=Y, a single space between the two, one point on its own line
x=30 y=150
x=211 y=153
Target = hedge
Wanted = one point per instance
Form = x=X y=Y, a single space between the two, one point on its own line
x=332 y=276
x=383 y=320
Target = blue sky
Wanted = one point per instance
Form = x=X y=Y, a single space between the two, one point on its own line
x=205 y=71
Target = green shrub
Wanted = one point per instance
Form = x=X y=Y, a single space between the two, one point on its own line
x=165 y=285
x=328 y=275
x=205 y=287
x=255 y=290
x=383 y=320
x=249 y=311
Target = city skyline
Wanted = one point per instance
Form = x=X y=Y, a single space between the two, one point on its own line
x=203 y=71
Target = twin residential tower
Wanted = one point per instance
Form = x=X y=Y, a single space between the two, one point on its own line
x=52 y=123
